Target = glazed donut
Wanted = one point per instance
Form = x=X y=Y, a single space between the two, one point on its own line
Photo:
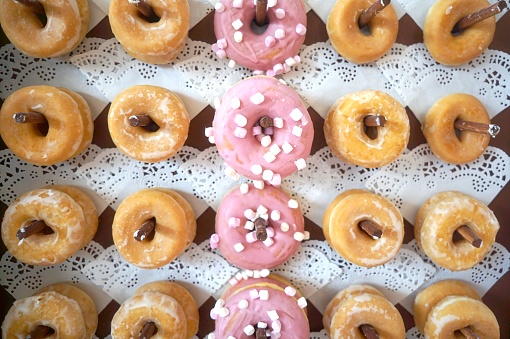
x=427 y=298
x=275 y=50
x=87 y=206
x=446 y=213
x=341 y=228
x=65 y=132
x=156 y=42
x=158 y=308
x=439 y=130
x=344 y=129
x=350 y=41
x=257 y=152
x=182 y=296
x=87 y=306
x=456 y=312
x=451 y=50
x=245 y=210
x=267 y=303
x=67 y=24
x=164 y=108
x=62 y=314
x=365 y=307
x=59 y=211
x=170 y=232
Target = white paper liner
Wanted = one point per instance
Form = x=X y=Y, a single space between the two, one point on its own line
x=112 y=70
x=324 y=7
x=414 y=177
x=421 y=81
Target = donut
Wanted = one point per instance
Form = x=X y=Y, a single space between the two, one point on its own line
x=65 y=27
x=447 y=48
x=87 y=306
x=272 y=49
x=149 y=307
x=351 y=41
x=345 y=134
x=439 y=130
x=65 y=125
x=363 y=306
x=87 y=206
x=59 y=212
x=170 y=232
x=258 y=228
x=50 y=309
x=163 y=107
x=453 y=313
x=443 y=215
x=156 y=42
x=341 y=227
x=182 y=296
x=263 y=153
x=267 y=305
x=427 y=298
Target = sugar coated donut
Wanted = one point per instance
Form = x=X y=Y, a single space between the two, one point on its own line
x=65 y=27
x=258 y=228
x=62 y=314
x=272 y=51
x=345 y=135
x=444 y=215
x=350 y=41
x=439 y=128
x=170 y=231
x=263 y=130
x=341 y=227
x=427 y=298
x=449 y=49
x=87 y=306
x=59 y=212
x=361 y=307
x=268 y=304
x=158 y=308
x=65 y=125
x=182 y=296
x=454 y=312
x=153 y=41
x=163 y=107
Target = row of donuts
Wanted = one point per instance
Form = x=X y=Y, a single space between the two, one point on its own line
x=263 y=307
x=264 y=36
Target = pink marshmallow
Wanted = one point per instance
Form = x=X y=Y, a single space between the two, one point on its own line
x=280 y=13
x=300 y=29
x=269 y=41
x=256 y=130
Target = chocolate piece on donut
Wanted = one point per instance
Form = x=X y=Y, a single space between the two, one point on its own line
x=349 y=38
x=270 y=49
x=439 y=218
x=343 y=232
x=164 y=108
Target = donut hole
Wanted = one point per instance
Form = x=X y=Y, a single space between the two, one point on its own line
x=152 y=19
x=365 y=30
x=259 y=30
x=371 y=132
x=41 y=331
x=43 y=128
x=458 y=132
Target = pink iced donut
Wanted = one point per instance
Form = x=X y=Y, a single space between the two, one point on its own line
x=275 y=50
x=271 y=304
x=258 y=228
x=256 y=152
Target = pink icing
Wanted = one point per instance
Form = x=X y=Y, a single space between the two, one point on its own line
x=279 y=101
x=256 y=255
x=294 y=323
x=252 y=51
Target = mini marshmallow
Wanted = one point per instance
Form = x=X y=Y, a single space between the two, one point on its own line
x=211 y=336
x=271 y=3
x=270 y=232
x=233 y=281
x=261 y=324
x=231 y=173
x=219 y=7
x=231 y=337
x=266 y=141
x=234 y=222
x=287 y=148
x=296 y=114
x=213 y=314
x=264 y=295
x=238 y=4
x=258 y=184
x=219 y=303
x=264 y=272
x=239 y=247
x=297 y=59
x=264 y=216
x=273 y=315
x=275 y=149
x=237 y=24
x=222 y=43
x=284 y=227
x=307 y=235
x=223 y=312
x=208 y=131
x=291 y=62
x=268 y=242
x=221 y=54
x=249 y=213
x=211 y=139
x=269 y=157
x=278 y=69
x=269 y=41
x=238 y=36
x=277 y=180
x=217 y=103
x=256 y=130
x=235 y=103
x=256 y=274
x=286 y=68
x=277 y=326
x=258 y=72
x=290 y=291
x=293 y=203
x=256 y=169
x=249 y=330
x=279 y=33
x=299 y=236
x=240 y=120
x=249 y=273
x=240 y=132
x=297 y=131
x=269 y=130
x=282 y=81
x=232 y=64
x=300 y=29
x=244 y=188
x=267 y=175
x=261 y=209
x=275 y=215
x=278 y=122
x=239 y=276
x=300 y=163
x=276 y=335
x=302 y=302
x=270 y=73
x=214 y=241
x=243 y=304
x=280 y=13
x=257 y=98
x=254 y=294
x=251 y=237
x=249 y=225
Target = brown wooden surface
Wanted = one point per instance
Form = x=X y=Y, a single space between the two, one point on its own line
x=497 y=298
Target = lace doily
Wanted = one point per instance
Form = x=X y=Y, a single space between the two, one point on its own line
x=21 y=177
x=22 y=280
x=323 y=76
x=421 y=81
x=417 y=175
x=18 y=70
x=396 y=279
x=481 y=277
x=324 y=7
x=114 y=176
x=112 y=70
x=414 y=333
